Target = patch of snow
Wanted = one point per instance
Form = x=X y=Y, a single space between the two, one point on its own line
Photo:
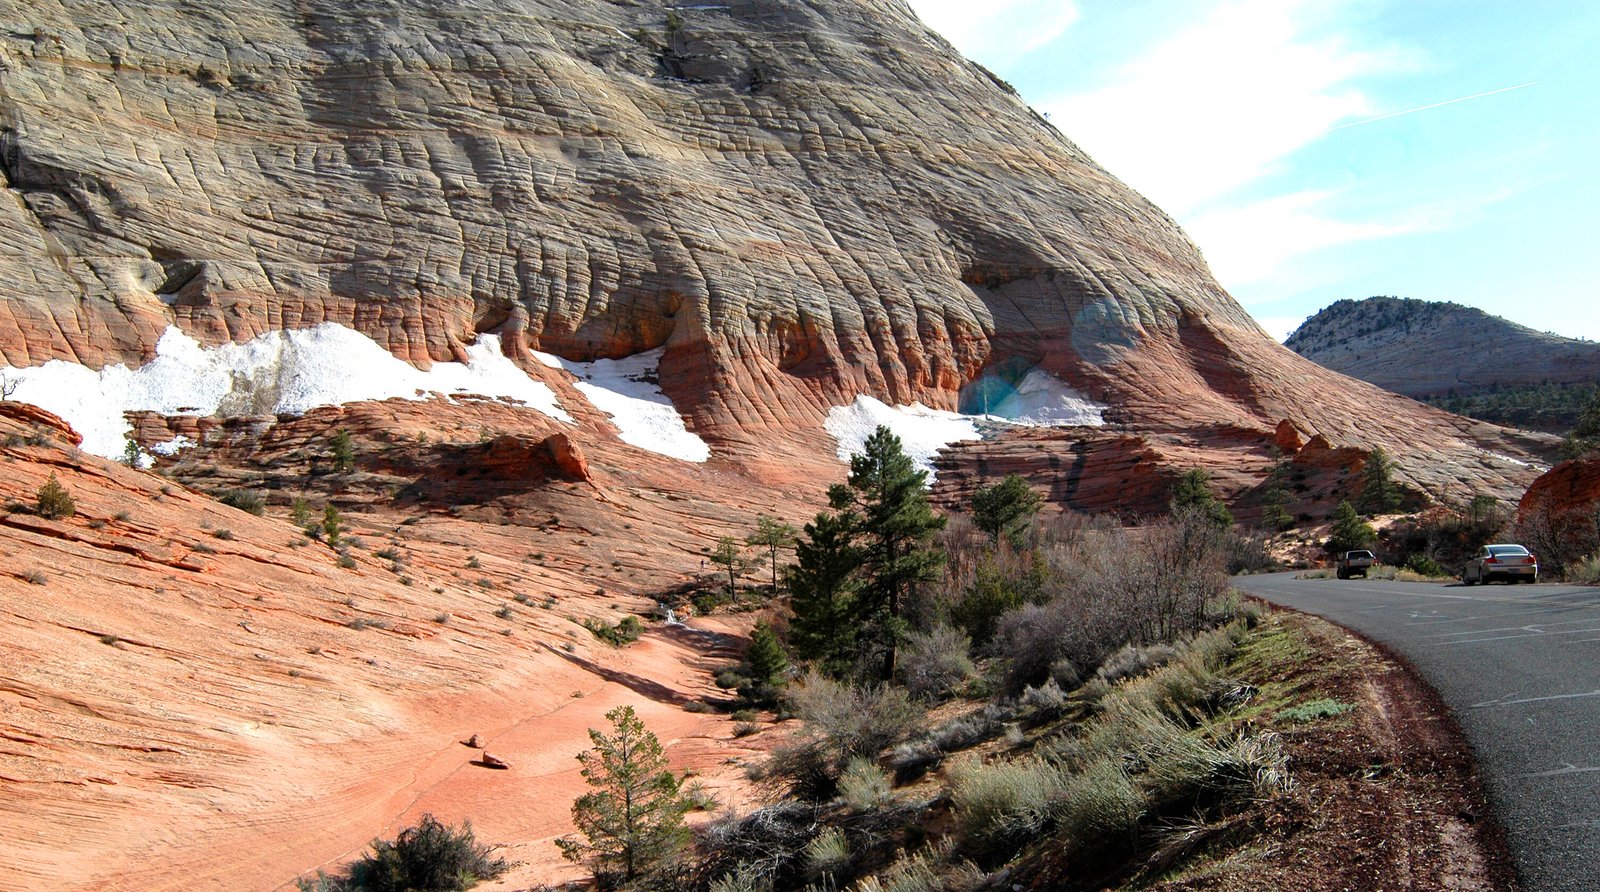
x=1516 y=461
x=173 y=446
x=549 y=359
x=280 y=372
x=629 y=391
x=1039 y=399
x=922 y=431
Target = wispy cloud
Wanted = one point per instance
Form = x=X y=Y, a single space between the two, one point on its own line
x=1432 y=105
x=1221 y=102
x=1254 y=242
x=997 y=29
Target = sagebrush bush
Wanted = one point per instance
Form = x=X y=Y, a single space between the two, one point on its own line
x=428 y=857
x=1097 y=808
x=1585 y=572
x=855 y=720
x=828 y=855
x=971 y=729
x=1048 y=698
x=864 y=787
x=933 y=663
x=1132 y=661
x=999 y=807
x=933 y=869
x=245 y=500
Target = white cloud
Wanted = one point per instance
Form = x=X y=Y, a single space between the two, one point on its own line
x=1280 y=327
x=1253 y=242
x=1222 y=101
x=999 y=29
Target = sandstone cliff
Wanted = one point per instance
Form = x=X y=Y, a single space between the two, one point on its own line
x=796 y=200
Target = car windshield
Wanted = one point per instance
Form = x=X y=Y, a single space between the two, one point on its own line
x=1507 y=550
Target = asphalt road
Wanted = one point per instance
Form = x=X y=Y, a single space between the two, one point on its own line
x=1520 y=666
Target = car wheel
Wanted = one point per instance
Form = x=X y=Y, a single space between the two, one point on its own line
x=1466 y=578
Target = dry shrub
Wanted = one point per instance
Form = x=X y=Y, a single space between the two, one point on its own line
x=828 y=855
x=842 y=722
x=1000 y=807
x=1098 y=808
x=1133 y=661
x=1112 y=587
x=864 y=787
x=932 y=664
x=1560 y=539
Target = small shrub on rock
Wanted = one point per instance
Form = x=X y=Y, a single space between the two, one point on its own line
x=53 y=500
x=429 y=857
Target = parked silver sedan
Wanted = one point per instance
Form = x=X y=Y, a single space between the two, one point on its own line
x=1512 y=563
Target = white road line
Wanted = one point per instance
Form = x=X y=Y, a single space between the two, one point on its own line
x=1520 y=701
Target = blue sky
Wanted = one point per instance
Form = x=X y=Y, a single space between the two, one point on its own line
x=1327 y=149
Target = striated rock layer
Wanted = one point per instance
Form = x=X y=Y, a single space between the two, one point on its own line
x=792 y=197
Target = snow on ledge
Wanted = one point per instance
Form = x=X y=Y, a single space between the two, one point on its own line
x=629 y=391
x=1039 y=399
x=280 y=372
x=922 y=431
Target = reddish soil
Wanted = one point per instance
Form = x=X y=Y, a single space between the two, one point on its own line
x=1387 y=797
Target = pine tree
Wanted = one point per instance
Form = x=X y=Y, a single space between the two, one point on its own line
x=331 y=524
x=772 y=534
x=897 y=527
x=1378 y=494
x=765 y=663
x=132 y=455
x=823 y=586
x=1006 y=509
x=726 y=556
x=300 y=513
x=632 y=820
x=344 y=451
x=1349 y=531
x=1274 y=499
x=1193 y=491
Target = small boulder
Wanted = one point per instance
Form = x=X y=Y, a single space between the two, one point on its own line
x=474 y=742
x=489 y=760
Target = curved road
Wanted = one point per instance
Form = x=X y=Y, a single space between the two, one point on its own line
x=1520 y=667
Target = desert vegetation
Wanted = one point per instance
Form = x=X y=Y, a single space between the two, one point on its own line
x=430 y=856
x=972 y=693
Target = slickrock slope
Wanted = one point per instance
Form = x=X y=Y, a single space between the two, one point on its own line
x=795 y=199
x=799 y=201
x=196 y=698
x=1428 y=348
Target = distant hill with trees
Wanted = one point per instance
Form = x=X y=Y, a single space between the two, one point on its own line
x=1456 y=357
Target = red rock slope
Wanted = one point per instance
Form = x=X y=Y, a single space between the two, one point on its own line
x=193 y=697
x=792 y=198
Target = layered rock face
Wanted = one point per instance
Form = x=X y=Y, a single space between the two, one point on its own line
x=802 y=201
